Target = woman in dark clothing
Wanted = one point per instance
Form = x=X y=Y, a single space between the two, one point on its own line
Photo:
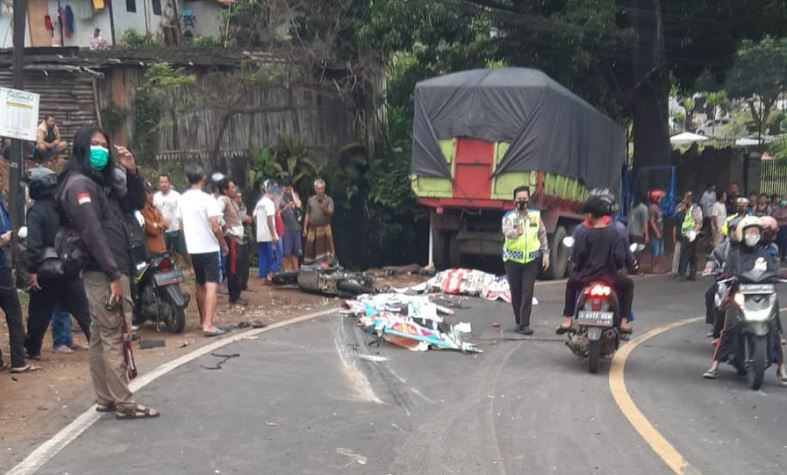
x=48 y=291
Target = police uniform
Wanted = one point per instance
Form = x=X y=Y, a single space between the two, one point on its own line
x=688 y=248
x=525 y=245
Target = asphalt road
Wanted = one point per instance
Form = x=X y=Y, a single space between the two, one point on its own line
x=301 y=400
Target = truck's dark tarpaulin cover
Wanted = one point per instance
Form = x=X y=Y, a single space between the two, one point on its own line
x=549 y=128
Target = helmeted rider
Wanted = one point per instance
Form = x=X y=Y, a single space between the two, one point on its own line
x=600 y=250
x=741 y=211
x=741 y=258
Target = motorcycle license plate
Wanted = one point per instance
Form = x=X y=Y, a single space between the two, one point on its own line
x=167 y=278
x=595 y=319
x=757 y=288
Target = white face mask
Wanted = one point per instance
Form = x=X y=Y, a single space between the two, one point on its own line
x=752 y=239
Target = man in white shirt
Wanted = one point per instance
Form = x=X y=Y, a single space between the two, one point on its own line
x=166 y=201
x=706 y=203
x=718 y=215
x=264 y=217
x=199 y=220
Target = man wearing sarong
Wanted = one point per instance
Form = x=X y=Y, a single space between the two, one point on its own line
x=317 y=225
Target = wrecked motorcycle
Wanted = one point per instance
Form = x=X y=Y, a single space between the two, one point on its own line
x=328 y=278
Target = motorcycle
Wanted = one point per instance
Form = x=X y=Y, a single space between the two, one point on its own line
x=327 y=277
x=157 y=294
x=597 y=312
x=753 y=301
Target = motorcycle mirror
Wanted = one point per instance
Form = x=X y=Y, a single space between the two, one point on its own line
x=568 y=241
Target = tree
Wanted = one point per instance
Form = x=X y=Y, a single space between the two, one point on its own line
x=758 y=76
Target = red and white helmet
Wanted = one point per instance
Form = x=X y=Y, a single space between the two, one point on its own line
x=655 y=196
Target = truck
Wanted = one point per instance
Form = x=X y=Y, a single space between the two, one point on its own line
x=479 y=134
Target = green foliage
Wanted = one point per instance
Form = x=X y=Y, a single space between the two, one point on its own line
x=132 y=39
x=206 y=42
x=149 y=102
x=290 y=160
x=759 y=75
x=778 y=148
x=112 y=117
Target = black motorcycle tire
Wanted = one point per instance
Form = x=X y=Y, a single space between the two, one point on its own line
x=354 y=288
x=758 y=355
x=594 y=353
x=176 y=322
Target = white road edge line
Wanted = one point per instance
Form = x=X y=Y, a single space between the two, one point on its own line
x=46 y=451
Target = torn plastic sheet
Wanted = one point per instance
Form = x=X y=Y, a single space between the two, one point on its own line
x=471 y=282
x=409 y=321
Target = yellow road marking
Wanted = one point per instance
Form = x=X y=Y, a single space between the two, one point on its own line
x=617 y=386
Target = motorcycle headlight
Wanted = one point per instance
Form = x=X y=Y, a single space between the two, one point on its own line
x=738 y=299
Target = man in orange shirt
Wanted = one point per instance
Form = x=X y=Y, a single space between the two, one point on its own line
x=155 y=224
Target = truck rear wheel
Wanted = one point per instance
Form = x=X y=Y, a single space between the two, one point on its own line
x=440 y=249
x=558 y=258
x=454 y=254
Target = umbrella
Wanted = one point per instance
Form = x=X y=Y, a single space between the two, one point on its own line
x=746 y=142
x=686 y=138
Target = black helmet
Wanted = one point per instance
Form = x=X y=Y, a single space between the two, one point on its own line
x=41 y=182
x=604 y=197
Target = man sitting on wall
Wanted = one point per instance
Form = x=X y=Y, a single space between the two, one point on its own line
x=48 y=143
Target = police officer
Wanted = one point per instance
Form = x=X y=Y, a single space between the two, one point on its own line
x=524 y=250
x=742 y=210
x=690 y=227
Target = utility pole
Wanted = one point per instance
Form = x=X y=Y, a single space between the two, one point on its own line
x=16 y=163
x=111 y=23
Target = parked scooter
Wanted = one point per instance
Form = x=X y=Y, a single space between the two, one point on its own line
x=157 y=293
x=596 y=334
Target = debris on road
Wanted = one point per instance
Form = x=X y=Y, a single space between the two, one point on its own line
x=409 y=321
x=224 y=359
x=149 y=344
x=372 y=358
x=470 y=282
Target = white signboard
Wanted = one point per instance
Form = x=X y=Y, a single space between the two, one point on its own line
x=18 y=114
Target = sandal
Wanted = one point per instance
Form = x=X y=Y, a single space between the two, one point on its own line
x=105 y=407
x=563 y=329
x=28 y=368
x=214 y=332
x=711 y=374
x=136 y=412
x=782 y=379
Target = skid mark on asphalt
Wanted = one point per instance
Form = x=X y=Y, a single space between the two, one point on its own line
x=471 y=418
x=354 y=376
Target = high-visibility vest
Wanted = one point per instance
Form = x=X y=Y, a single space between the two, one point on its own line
x=725 y=229
x=526 y=247
x=689 y=222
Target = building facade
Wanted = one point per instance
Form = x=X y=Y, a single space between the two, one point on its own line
x=77 y=20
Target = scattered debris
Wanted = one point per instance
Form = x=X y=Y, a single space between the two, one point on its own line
x=409 y=321
x=149 y=344
x=360 y=459
x=224 y=359
x=250 y=337
x=271 y=424
x=372 y=358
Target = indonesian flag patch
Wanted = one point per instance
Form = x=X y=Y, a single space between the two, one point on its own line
x=83 y=198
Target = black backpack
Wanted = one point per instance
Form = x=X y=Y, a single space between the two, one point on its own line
x=69 y=245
